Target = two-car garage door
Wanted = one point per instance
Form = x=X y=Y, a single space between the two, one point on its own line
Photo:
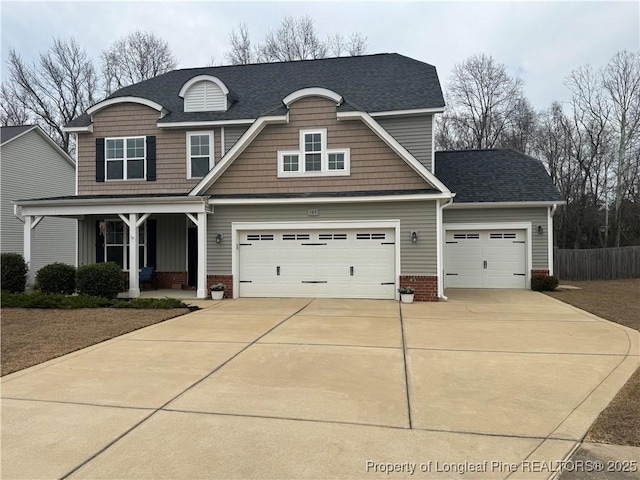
x=485 y=259
x=340 y=263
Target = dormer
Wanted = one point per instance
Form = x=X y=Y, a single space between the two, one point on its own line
x=205 y=93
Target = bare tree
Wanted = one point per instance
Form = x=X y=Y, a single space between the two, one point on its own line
x=295 y=38
x=53 y=91
x=136 y=57
x=356 y=45
x=12 y=111
x=621 y=82
x=241 y=52
x=483 y=102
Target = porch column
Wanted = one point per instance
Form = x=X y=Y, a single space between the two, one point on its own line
x=202 y=256
x=134 y=276
x=27 y=249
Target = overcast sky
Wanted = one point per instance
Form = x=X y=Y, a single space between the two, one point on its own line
x=541 y=42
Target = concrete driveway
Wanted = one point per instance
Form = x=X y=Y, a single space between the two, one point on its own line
x=498 y=384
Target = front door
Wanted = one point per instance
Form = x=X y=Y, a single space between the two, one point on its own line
x=192 y=256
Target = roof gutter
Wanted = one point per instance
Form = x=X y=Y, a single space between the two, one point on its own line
x=113 y=201
x=525 y=204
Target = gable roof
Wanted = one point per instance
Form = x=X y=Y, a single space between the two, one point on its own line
x=373 y=83
x=9 y=133
x=495 y=176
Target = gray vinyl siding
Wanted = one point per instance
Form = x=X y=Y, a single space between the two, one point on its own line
x=416 y=258
x=32 y=168
x=232 y=135
x=535 y=216
x=171 y=242
x=414 y=134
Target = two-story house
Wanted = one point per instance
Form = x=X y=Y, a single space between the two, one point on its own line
x=301 y=179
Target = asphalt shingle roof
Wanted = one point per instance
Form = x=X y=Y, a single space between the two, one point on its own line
x=7 y=133
x=373 y=83
x=494 y=176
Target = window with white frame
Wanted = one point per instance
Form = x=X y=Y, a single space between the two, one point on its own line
x=125 y=158
x=116 y=244
x=199 y=154
x=314 y=158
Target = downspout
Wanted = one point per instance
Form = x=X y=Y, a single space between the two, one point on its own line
x=552 y=211
x=441 y=249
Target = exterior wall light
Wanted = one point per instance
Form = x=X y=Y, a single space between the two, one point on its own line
x=540 y=230
x=414 y=237
x=219 y=238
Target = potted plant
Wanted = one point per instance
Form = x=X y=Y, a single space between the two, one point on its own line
x=217 y=291
x=406 y=294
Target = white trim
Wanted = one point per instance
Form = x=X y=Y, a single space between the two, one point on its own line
x=76 y=159
x=125 y=160
x=504 y=204
x=242 y=143
x=75 y=208
x=550 y=214
x=207 y=123
x=440 y=245
x=526 y=226
x=201 y=280
x=222 y=142
x=48 y=139
x=88 y=128
x=354 y=199
x=415 y=111
x=433 y=145
x=395 y=146
x=116 y=100
x=202 y=78
x=312 y=92
x=319 y=225
x=212 y=139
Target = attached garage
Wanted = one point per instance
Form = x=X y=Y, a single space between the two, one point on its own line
x=317 y=262
x=486 y=258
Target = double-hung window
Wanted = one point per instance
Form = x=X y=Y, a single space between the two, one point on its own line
x=199 y=154
x=314 y=158
x=125 y=158
x=116 y=244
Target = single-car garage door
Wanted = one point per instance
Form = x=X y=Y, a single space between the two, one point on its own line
x=485 y=259
x=341 y=263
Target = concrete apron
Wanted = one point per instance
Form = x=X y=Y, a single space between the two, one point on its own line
x=487 y=385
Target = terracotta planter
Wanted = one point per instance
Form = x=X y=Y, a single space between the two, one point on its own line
x=217 y=294
x=406 y=297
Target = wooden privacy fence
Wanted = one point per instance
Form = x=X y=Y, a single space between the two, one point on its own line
x=597 y=263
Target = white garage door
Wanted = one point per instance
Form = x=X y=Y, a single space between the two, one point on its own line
x=318 y=263
x=485 y=259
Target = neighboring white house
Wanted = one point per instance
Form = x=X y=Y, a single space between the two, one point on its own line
x=33 y=165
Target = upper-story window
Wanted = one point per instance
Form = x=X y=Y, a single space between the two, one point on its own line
x=125 y=158
x=314 y=158
x=204 y=93
x=199 y=154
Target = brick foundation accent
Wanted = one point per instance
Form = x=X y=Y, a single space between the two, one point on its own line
x=539 y=272
x=426 y=287
x=168 y=279
x=226 y=279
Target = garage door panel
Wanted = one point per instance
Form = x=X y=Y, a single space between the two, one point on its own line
x=485 y=259
x=318 y=263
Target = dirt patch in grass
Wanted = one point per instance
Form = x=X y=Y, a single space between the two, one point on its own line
x=32 y=336
x=618 y=301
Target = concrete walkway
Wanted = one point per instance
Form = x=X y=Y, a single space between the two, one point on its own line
x=499 y=384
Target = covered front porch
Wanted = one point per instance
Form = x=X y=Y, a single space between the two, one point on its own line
x=168 y=233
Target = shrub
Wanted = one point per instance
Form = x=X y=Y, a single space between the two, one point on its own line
x=57 y=278
x=543 y=283
x=56 y=300
x=217 y=287
x=100 y=280
x=14 y=272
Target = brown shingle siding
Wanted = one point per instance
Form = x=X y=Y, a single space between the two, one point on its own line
x=374 y=166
